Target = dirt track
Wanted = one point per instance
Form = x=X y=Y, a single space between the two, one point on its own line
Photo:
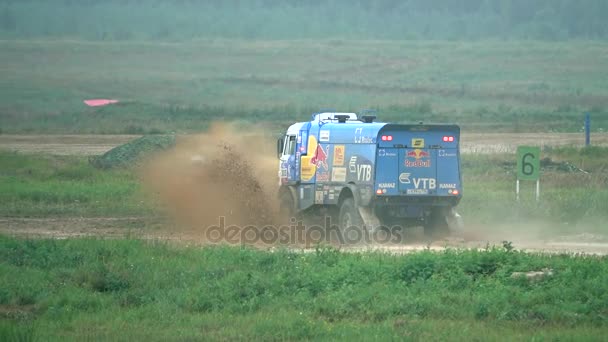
x=63 y=144
x=471 y=142
x=160 y=229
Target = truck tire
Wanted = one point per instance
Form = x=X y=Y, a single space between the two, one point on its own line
x=436 y=225
x=349 y=219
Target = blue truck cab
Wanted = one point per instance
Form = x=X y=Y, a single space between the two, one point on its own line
x=370 y=173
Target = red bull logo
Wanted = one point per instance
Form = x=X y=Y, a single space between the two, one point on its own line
x=320 y=157
x=421 y=158
x=418 y=154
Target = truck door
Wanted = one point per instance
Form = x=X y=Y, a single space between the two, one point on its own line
x=288 y=172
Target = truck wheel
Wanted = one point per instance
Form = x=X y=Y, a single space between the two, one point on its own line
x=436 y=225
x=349 y=218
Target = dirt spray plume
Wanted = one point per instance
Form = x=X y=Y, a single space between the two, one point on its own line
x=226 y=172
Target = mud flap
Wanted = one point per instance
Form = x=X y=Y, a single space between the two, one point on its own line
x=371 y=221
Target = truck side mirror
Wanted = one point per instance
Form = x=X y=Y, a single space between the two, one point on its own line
x=280 y=146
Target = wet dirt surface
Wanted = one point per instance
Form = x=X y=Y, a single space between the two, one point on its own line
x=161 y=229
x=92 y=144
x=62 y=228
x=78 y=145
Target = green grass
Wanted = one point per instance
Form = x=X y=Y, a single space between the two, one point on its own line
x=183 y=86
x=44 y=185
x=128 y=289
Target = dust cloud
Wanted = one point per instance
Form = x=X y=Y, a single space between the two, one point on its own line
x=226 y=172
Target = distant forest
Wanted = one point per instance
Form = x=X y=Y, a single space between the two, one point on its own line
x=305 y=19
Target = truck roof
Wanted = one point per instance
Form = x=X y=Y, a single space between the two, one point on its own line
x=351 y=130
x=340 y=132
x=322 y=118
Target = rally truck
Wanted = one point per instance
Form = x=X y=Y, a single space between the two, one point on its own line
x=372 y=174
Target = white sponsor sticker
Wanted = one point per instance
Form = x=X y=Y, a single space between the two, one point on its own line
x=417 y=163
x=417 y=191
x=361 y=139
x=319 y=197
x=425 y=183
x=338 y=174
x=404 y=178
x=324 y=135
x=387 y=185
x=352 y=164
x=384 y=153
x=447 y=186
x=444 y=153
x=364 y=172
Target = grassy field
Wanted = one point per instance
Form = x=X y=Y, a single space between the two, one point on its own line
x=83 y=289
x=484 y=86
x=46 y=186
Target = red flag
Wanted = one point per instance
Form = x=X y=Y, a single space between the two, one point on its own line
x=99 y=102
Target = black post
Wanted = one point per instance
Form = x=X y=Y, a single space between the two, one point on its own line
x=587 y=129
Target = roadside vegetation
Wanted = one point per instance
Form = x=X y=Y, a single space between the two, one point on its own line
x=50 y=186
x=79 y=289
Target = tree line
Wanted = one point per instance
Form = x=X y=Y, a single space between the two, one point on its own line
x=309 y=19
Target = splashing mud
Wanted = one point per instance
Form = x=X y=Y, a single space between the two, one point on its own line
x=227 y=172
